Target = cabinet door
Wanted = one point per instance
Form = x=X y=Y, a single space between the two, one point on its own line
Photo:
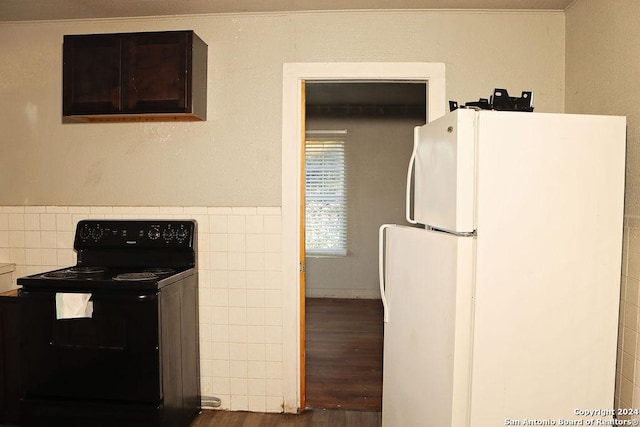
x=155 y=72
x=92 y=72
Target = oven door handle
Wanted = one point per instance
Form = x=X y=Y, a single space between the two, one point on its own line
x=95 y=296
x=86 y=347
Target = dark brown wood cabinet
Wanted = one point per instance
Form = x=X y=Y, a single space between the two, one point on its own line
x=10 y=368
x=156 y=76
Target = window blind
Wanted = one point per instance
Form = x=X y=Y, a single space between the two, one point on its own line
x=325 y=194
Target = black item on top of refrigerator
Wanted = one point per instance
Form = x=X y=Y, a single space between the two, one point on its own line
x=499 y=101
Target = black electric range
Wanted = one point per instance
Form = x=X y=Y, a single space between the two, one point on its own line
x=129 y=354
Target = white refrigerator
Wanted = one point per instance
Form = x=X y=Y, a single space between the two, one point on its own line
x=501 y=303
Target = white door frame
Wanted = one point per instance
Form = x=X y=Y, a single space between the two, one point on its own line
x=292 y=120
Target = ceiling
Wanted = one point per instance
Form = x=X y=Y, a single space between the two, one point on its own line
x=35 y=10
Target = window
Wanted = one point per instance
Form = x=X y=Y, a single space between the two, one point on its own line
x=325 y=194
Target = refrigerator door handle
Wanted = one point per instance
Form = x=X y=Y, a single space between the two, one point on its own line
x=381 y=270
x=412 y=161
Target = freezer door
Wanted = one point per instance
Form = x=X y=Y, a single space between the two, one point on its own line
x=428 y=288
x=444 y=182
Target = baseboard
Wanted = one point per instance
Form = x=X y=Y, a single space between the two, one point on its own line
x=342 y=293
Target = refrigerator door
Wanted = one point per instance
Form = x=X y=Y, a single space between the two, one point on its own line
x=550 y=219
x=445 y=157
x=427 y=351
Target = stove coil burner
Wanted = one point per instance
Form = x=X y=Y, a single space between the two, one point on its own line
x=66 y=274
x=143 y=275
x=146 y=274
x=75 y=273
x=159 y=270
x=87 y=270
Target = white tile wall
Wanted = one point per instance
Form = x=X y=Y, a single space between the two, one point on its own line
x=628 y=366
x=240 y=279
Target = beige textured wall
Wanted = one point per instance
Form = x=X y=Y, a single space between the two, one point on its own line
x=603 y=70
x=603 y=73
x=233 y=159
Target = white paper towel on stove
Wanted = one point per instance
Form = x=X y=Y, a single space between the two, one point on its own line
x=73 y=306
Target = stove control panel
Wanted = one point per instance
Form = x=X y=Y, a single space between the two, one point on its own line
x=135 y=233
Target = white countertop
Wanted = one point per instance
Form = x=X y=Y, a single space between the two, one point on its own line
x=6 y=279
x=7 y=268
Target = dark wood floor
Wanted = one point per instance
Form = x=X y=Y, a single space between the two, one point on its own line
x=310 y=418
x=344 y=354
x=343 y=370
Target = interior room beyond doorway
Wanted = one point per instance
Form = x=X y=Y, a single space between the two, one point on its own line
x=342 y=290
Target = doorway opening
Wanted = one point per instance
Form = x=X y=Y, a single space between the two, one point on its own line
x=359 y=137
x=295 y=77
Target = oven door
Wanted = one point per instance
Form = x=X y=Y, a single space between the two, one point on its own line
x=114 y=355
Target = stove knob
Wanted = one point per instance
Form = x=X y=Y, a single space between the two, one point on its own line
x=85 y=232
x=154 y=233
x=182 y=234
x=168 y=234
x=97 y=233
